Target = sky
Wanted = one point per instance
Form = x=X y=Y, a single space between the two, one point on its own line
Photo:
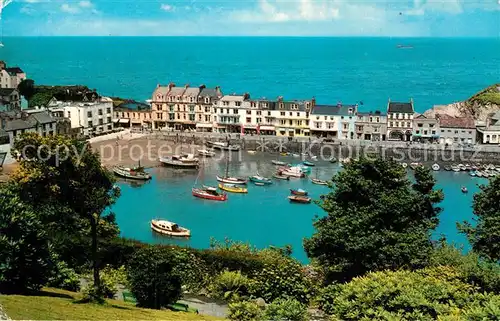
x=394 y=18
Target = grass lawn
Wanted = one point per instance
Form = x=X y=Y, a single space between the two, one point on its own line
x=54 y=304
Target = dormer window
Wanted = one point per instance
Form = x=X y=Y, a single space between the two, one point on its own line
x=350 y=110
x=207 y=100
x=158 y=97
x=282 y=106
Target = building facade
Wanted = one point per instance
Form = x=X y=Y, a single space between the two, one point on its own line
x=456 y=130
x=490 y=134
x=10 y=99
x=86 y=119
x=207 y=102
x=10 y=77
x=40 y=122
x=132 y=118
x=371 y=126
x=333 y=121
x=425 y=129
x=258 y=117
x=292 y=117
x=400 y=120
x=227 y=116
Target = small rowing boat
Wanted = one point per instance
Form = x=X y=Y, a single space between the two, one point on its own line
x=169 y=228
x=299 y=199
x=233 y=188
x=260 y=179
x=318 y=181
x=299 y=192
x=333 y=160
x=306 y=163
x=436 y=167
x=206 y=153
x=464 y=190
x=278 y=163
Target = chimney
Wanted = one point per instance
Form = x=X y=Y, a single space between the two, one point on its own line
x=2 y=65
x=186 y=86
x=202 y=87
x=171 y=85
x=313 y=102
x=219 y=92
x=280 y=98
x=246 y=96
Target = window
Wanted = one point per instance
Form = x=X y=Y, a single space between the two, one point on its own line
x=408 y=124
x=259 y=113
x=191 y=117
x=425 y=132
x=237 y=103
x=299 y=122
x=207 y=109
x=249 y=120
x=298 y=114
x=108 y=110
x=225 y=103
x=109 y=127
x=291 y=114
x=99 y=112
x=431 y=125
x=391 y=124
x=282 y=113
x=417 y=132
x=101 y=121
x=89 y=114
x=342 y=117
x=326 y=117
x=235 y=111
x=259 y=120
x=378 y=119
x=268 y=113
x=69 y=114
x=199 y=117
x=89 y=124
x=108 y=120
x=433 y=132
x=290 y=122
x=420 y=125
x=456 y=131
x=249 y=112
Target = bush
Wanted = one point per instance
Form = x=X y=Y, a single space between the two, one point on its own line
x=289 y=309
x=192 y=270
x=283 y=278
x=427 y=294
x=110 y=279
x=230 y=286
x=64 y=277
x=152 y=278
x=244 y=311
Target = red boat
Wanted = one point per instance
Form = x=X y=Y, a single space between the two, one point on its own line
x=209 y=194
x=299 y=199
x=299 y=192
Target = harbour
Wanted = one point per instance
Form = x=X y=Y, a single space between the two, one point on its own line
x=263 y=216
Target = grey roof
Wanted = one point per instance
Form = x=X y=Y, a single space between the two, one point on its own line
x=333 y=110
x=14 y=70
x=372 y=113
x=162 y=90
x=210 y=92
x=496 y=116
x=395 y=107
x=191 y=92
x=43 y=118
x=6 y=91
x=176 y=91
x=29 y=122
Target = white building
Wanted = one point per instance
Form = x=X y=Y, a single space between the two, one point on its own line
x=227 y=117
x=10 y=77
x=87 y=119
x=333 y=121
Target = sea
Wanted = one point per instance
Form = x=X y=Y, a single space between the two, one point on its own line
x=366 y=71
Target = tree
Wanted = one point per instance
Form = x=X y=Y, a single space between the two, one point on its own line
x=25 y=257
x=27 y=88
x=377 y=219
x=152 y=278
x=65 y=177
x=485 y=235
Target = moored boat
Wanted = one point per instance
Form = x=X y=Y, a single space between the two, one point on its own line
x=447 y=168
x=299 y=199
x=206 y=153
x=278 y=163
x=284 y=154
x=295 y=155
x=209 y=194
x=473 y=173
x=281 y=176
x=259 y=184
x=180 y=161
x=404 y=165
x=136 y=173
x=169 y=228
x=464 y=189
x=306 y=163
x=436 y=167
x=232 y=180
x=260 y=179
x=318 y=181
x=333 y=160
x=223 y=146
x=455 y=168
x=232 y=188
x=299 y=192
x=252 y=152
x=293 y=172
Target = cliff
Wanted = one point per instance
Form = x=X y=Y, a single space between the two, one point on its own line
x=479 y=106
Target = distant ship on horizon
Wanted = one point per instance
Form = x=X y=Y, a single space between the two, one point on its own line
x=404 y=46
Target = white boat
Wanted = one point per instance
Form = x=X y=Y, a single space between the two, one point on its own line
x=292 y=172
x=462 y=167
x=136 y=173
x=169 y=228
x=479 y=174
x=223 y=146
x=232 y=180
x=180 y=161
x=436 y=167
x=251 y=152
x=314 y=157
x=295 y=155
x=473 y=173
x=278 y=163
x=206 y=153
x=404 y=165
x=455 y=168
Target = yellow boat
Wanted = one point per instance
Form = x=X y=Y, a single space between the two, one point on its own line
x=233 y=188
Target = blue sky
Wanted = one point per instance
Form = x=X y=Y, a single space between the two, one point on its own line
x=401 y=18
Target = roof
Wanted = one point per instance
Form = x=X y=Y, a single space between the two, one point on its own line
x=14 y=70
x=496 y=116
x=210 y=92
x=176 y=91
x=372 y=113
x=395 y=107
x=6 y=91
x=43 y=118
x=192 y=92
x=233 y=98
x=162 y=90
x=334 y=110
x=456 y=122
x=29 y=122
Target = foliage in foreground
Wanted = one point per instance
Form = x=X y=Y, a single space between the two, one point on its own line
x=230 y=286
x=244 y=311
x=485 y=235
x=377 y=220
x=427 y=294
x=289 y=309
x=25 y=255
x=152 y=279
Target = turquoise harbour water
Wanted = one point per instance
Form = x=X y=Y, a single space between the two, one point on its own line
x=371 y=70
x=262 y=217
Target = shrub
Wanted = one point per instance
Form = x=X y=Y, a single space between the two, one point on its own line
x=289 y=309
x=230 y=286
x=192 y=270
x=244 y=311
x=327 y=297
x=427 y=294
x=64 y=277
x=283 y=278
x=152 y=278
x=110 y=279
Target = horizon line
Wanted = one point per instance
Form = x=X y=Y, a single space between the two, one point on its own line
x=252 y=36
